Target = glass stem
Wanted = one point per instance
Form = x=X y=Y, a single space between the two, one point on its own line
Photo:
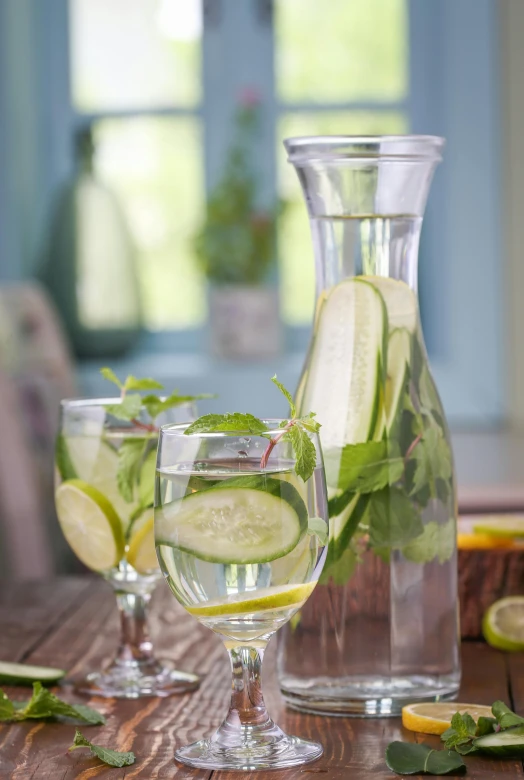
x=136 y=648
x=247 y=719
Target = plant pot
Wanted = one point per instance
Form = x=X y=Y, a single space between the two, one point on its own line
x=244 y=321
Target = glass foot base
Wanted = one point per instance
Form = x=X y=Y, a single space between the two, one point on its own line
x=283 y=752
x=134 y=682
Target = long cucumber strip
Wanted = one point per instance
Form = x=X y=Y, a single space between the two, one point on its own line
x=27 y=674
x=399 y=359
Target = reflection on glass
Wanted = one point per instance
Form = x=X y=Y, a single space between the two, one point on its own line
x=155 y=167
x=135 y=53
x=341 y=50
x=294 y=243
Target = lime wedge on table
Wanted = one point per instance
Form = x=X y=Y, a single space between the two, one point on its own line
x=501 y=525
x=141 y=553
x=96 y=462
x=273 y=598
x=90 y=524
x=503 y=624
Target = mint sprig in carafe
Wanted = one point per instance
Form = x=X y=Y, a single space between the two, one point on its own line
x=381 y=628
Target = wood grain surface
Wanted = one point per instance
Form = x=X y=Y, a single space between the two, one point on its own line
x=72 y=623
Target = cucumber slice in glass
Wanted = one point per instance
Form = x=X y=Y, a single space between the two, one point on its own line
x=26 y=674
x=401 y=302
x=506 y=743
x=262 y=524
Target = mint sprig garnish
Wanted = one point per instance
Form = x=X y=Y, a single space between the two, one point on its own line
x=108 y=756
x=295 y=430
x=44 y=704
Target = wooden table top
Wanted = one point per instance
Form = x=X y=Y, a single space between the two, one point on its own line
x=72 y=623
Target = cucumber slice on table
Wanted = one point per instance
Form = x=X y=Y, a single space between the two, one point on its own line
x=347 y=363
x=25 y=674
x=256 y=524
x=506 y=743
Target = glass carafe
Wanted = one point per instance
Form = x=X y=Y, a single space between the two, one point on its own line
x=381 y=629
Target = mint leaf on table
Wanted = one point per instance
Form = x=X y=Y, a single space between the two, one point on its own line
x=304 y=451
x=318 y=527
x=44 y=704
x=410 y=758
x=393 y=520
x=63 y=460
x=364 y=467
x=109 y=757
x=130 y=455
x=110 y=375
x=462 y=730
x=215 y=423
x=287 y=394
x=127 y=409
x=504 y=716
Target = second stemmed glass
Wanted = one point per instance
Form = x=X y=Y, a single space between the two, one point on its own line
x=105 y=476
x=241 y=545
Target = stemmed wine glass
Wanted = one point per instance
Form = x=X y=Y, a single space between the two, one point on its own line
x=242 y=545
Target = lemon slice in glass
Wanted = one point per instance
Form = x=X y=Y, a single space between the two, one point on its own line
x=272 y=598
x=503 y=624
x=141 y=553
x=90 y=524
x=435 y=717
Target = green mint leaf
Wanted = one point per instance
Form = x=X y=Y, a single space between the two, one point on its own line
x=393 y=520
x=146 y=480
x=436 y=541
x=318 y=527
x=156 y=406
x=505 y=717
x=110 y=375
x=7 y=709
x=341 y=570
x=433 y=460
x=467 y=749
x=128 y=409
x=309 y=423
x=44 y=704
x=63 y=460
x=287 y=394
x=214 y=423
x=303 y=450
x=109 y=757
x=363 y=468
x=410 y=758
x=485 y=726
x=146 y=383
x=129 y=457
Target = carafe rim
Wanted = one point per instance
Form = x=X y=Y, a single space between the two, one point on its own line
x=338 y=148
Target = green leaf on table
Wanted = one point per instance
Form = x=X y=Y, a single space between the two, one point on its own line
x=485 y=726
x=44 y=704
x=156 y=405
x=410 y=758
x=287 y=394
x=504 y=716
x=7 y=709
x=110 y=375
x=215 y=423
x=109 y=757
x=318 y=527
x=363 y=468
x=393 y=520
x=436 y=541
x=432 y=457
x=146 y=383
x=462 y=730
x=127 y=409
x=63 y=460
x=129 y=457
x=303 y=450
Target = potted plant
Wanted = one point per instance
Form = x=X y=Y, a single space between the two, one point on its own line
x=236 y=249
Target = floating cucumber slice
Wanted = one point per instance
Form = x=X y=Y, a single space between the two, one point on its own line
x=399 y=358
x=347 y=363
x=506 y=743
x=26 y=674
x=401 y=302
x=235 y=524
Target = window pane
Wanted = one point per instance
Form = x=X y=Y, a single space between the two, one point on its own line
x=356 y=50
x=135 y=53
x=295 y=250
x=155 y=168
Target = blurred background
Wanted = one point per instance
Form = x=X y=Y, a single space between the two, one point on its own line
x=149 y=220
